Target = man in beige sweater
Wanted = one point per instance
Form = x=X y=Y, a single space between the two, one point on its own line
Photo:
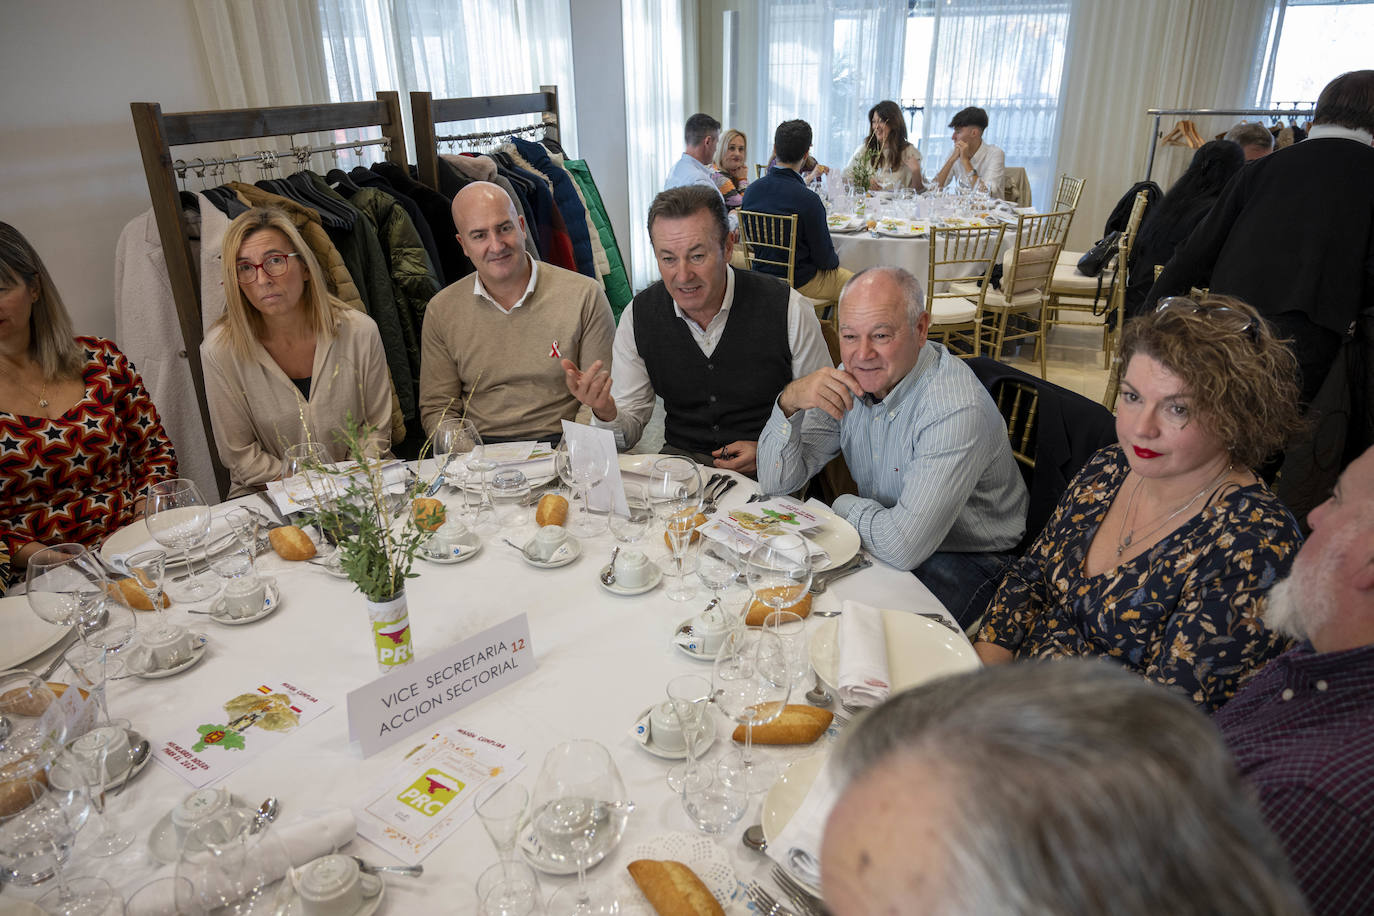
x=494 y=341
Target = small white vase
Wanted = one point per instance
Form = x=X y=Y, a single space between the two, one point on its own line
x=390 y=621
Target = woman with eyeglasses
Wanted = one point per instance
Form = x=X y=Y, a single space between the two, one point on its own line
x=80 y=439
x=1160 y=552
x=896 y=163
x=287 y=362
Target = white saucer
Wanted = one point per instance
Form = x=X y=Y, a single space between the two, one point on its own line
x=140 y=653
x=657 y=751
x=690 y=653
x=291 y=905
x=655 y=577
x=574 y=550
x=59 y=769
x=330 y=566
x=269 y=605
x=467 y=548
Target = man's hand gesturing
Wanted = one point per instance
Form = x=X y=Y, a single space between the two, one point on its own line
x=832 y=390
x=592 y=388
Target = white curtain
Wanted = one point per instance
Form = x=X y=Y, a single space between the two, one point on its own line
x=827 y=62
x=1007 y=59
x=1125 y=57
x=660 y=40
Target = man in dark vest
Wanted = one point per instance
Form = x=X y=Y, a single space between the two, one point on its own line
x=717 y=344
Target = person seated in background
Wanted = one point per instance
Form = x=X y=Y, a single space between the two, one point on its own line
x=972 y=161
x=717 y=344
x=493 y=342
x=700 y=137
x=287 y=362
x=1255 y=140
x=80 y=439
x=1064 y=788
x=896 y=163
x=1169 y=223
x=731 y=167
x=939 y=492
x=811 y=170
x=1160 y=552
x=1300 y=730
x=817 y=273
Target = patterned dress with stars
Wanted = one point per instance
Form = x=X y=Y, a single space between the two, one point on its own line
x=76 y=478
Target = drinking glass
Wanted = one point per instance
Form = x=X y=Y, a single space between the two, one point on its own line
x=690 y=695
x=790 y=629
x=67 y=587
x=82 y=897
x=509 y=888
x=582 y=466
x=454 y=439
x=718 y=567
x=179 y=517
x=579 y=813
x=676 y=491
x=631 y=527
x=501 y=808
x=473 y=454
x=88 y=762
x=230 y=860
x=750 y=683
x=32 y=726
x=37 y=838
x=149 y=569
x=779 y=571
x=713 y=805
x=90 y=672
x=246 y=524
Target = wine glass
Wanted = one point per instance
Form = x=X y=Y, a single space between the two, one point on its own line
x=453 y=439
x=246 y=524
x=82 y=897
x=509 y=888
x=67 y=587
x=690 y=695
x=86 y=765
x=38 y=828
x=473 y=453
x=149 y=569
x=32 y=726
x=179 y=517
x=676 y=491
x=718 y=566
x=501 y=808
x=579 y=813
x=230 y=860
x=630 y=527
x=750 y=683
x=582 y=466
x=779 y=571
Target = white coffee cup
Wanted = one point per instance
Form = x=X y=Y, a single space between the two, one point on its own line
x=333 y=886
x=114 y=739
x=243 y=597
x=452 y=533
x=546 y=542
x=632 y=569
x=170 y=647
x=711 y=628
x=198 y=807
x=665 y=729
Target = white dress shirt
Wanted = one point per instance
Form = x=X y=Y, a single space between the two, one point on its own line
x=990 y=163
x=689 y=171
x=630 y=387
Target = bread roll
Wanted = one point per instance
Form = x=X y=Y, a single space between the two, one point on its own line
x=673 y=889
x=796 y=725
x=553 y=510
x=291 y=543
x=133 y=595
x=59 y=688
x=758 y=611
x=697 y=521
x=20 y=785
x=19 y=702
x=429 y=513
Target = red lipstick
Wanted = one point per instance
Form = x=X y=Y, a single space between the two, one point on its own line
x=1144 y=452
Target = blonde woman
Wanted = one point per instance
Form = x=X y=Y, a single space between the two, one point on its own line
x=731 y=168
x=287 y=362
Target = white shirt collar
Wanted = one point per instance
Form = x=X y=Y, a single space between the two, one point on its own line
x=721 y=316
x=1320 y=131
x=481 y=291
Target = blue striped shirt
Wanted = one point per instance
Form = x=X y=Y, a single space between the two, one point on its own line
x=932 y=461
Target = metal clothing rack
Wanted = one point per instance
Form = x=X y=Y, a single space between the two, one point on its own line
x=158 y=133
x=427 y=112
x=267 y=159
x=1158 y=113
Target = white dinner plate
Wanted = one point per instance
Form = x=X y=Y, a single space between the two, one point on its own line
x=136 y=535
x=652 y=748
x=837 y=537
x=899 y=229
x=643 y=465
x=918 y=650
x=844 y=223
x=26 y=635
x=783 y=799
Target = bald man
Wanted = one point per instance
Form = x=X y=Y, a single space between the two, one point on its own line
x=494 y=341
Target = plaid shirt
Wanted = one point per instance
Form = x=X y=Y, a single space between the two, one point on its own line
x=1303 y=733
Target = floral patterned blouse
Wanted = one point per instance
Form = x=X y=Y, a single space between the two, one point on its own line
x=1185 y=613
x=75 y=478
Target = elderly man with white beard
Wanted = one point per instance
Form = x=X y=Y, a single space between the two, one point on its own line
x=1302 y=730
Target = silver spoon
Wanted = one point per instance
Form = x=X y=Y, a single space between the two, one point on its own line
x=818 y=695
x=410 y=871
x=753 y=838
x=608 y=574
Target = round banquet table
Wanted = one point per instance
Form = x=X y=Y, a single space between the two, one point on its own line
x=600 y=660
x=862 y=250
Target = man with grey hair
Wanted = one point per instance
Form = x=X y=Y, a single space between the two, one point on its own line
x=1301 y=729
x=1067 y=787
x=1255 y=139
x=939 y=490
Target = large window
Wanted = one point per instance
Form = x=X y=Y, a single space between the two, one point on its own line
x=1315 y=41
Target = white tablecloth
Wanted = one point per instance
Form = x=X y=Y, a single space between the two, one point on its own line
x=601 y=660
x=860 y=251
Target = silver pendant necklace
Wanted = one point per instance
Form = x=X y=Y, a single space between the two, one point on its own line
x=1129 y=538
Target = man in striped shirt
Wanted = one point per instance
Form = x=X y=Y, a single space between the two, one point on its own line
x=939 y=490
x=1302 y=730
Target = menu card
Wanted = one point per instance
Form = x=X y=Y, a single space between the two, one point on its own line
x=429 y=794
x=611 y=491
x=743 y=527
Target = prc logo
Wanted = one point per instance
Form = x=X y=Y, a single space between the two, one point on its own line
x=431 y=792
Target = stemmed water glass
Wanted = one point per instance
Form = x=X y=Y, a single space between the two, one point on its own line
x=676 y=491
x=86 y=766
x=246 y=523
x=179 y=517
x=454 y=440
x=37 y=839
x=779 y=571
x=469 y=448
x=750 y=683
x=509 y=889
x=718 y=567
x=630 y=528
x=690 y=696
x=501 y=807
x=582 y=466
x=149 y=570
x=579 y=812
x=790 y=629
x=66 y=587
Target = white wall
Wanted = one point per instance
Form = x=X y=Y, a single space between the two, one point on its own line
x=599 y=68
x=72 y=176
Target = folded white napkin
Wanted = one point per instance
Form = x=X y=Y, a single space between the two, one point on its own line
x=797 y=847
x=863 y=676
x=304 y=841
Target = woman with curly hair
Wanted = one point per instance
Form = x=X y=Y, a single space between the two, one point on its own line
x=1162 y=549
x=896 y=163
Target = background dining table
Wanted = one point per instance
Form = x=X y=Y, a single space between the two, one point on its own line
x=863 y=249
x=601 y=659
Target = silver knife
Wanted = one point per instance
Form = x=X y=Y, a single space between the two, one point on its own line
x=272 y=506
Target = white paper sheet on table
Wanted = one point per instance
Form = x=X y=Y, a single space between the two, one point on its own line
x=611 y=491
x=862 y=642
x=429 y=794
x=797 y=847
x=298 y=493
x=743 y=528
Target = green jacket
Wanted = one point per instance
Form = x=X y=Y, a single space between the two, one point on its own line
x=617 y=282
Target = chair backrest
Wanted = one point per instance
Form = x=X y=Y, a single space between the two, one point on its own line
x=769 y=239
x=1016 y=187
x=759 y=169
x=1068 y=192
x=961 y=254
x=1039 y=238
x=1019 y=403
x=1117 y=305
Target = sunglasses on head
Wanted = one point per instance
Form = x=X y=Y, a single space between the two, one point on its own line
x=1223 y=315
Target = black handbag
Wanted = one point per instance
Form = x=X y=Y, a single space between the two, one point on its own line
x=1096 y=257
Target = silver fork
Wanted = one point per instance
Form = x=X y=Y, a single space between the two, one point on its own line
x=801 y=898
x=767 y=901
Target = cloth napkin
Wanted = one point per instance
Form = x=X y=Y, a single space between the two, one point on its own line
x=304 y=841
x=863 y=676
x=797 y=847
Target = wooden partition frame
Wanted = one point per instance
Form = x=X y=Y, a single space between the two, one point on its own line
x=426 y=112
